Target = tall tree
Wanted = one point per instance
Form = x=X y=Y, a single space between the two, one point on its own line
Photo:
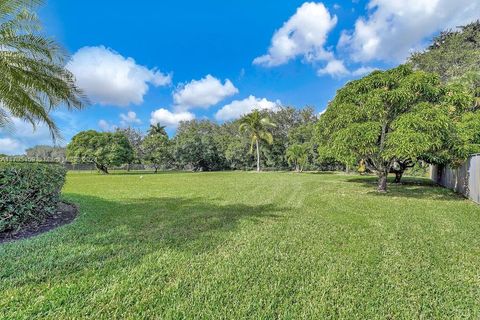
x=103 y=149
x=390 y=116
x=135 y=139
x=257 y=127
x=286 y=119
x=196 y=146
x=297 y=155
x=157 y=148
x=33 y=77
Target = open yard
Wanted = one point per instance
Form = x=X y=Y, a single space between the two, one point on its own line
x=247 y=245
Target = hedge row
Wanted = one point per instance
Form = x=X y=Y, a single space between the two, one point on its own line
x=28 y=191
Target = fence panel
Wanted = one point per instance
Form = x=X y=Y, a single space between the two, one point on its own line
x=464 y=179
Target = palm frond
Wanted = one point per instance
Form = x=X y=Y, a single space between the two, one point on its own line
x=33 y=77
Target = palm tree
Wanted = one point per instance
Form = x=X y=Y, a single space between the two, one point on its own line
x=257 y=127
x=157 y=129
x=297 y=155
x=33 y=77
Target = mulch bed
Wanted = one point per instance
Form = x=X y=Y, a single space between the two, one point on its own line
x=65 y=213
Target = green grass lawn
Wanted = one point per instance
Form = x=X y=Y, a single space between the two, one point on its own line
x=245 y=245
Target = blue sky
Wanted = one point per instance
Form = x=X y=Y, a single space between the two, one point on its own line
x=166 y=61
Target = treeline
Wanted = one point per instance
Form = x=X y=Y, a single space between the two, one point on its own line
x=203 y=145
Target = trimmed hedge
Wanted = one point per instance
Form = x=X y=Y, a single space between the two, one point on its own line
x=28 y=191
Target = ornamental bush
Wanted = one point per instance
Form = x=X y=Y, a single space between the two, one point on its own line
x=28 y=191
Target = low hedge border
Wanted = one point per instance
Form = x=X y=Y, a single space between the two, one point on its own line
x=28 y=191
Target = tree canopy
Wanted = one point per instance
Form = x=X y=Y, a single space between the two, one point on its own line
x=196 y=146
x=452 y=54
x=156 y=148
x=104 y=149
x=391 y=116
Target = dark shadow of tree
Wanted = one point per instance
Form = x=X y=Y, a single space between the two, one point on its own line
x=115 y=235
x=113 y=172
x=410 y=187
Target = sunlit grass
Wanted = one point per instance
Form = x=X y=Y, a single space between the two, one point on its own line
x=247 y=245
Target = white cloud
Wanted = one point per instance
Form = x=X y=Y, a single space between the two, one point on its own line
x=202 y=93
x=304 y=34
x=334 y=68
x=11 y=146
x=238 y=108
x=22 y=135
x=363 y=71
x=170 y=119
x=129 y=119
x=392 y=29
x=109 y=78
x=106 y=126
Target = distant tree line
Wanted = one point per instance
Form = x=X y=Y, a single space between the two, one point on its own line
x=259 y=139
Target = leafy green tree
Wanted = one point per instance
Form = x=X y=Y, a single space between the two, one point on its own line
x=103 y=149
x=33 y=77
x=286 y=120
x=257 y=128
x=196 y=146
x=391 y=116
x=455 y=56
x=297 y=155
x=305 y=135
x=157 y=148
x=452 y=54
x=135 y=139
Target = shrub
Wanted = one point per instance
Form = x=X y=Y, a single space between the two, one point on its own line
x=28 y=191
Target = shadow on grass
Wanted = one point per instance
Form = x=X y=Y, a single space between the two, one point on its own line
x=117 y=235
x=175 y=222
x=321 y=172
x=138 y=172
x=410 y=187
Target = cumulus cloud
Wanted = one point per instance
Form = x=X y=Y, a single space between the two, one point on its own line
x=304 y=34
x=21 y=135
x=109 y=78
x=334 y=68
x=392 y=29
x=106 y=126
x=363 y=71
x=11 y=146
x=202 y=93
x=240 y=107
x=170 y=119
x=129 y=119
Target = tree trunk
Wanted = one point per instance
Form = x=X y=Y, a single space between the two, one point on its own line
x=156 y=169
x=398 y=176
x=382 y=181
x=102 y=168
x=258 y=155
x=347 y=169
x=297 y=168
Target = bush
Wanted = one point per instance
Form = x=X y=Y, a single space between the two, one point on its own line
x=28 y=191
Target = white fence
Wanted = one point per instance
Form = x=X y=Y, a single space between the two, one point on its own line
x=464 y=179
